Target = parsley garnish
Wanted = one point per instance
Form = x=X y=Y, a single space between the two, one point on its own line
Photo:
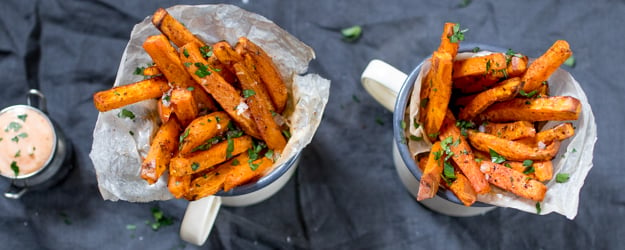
x=528 y=95
x=529 y=170
x=464 y=3
x=139 y=71
x=286 y=133
x=355 y=98
x=65 y=217
x=476 y=49
x=131 y=133
x=254 y=166
x=424 y=102
x=18 y=153
x=195 y=166
x=538 y=207
x=15 y=168
x=351 y=34
x=202 y=70
x=487 y=66
x=434 y=135
x=190 y=88
x=183 y=136
x=159 y=219
x=218 y=119
x=230 y=148
x=509 y=54
x=235 y=162
x=185 y=53
x=379 y=121
x=22 y=117
x=562 y=177
x=570 y=61
x=402 y=124
x=187 y=64
x=269 y=154
x=495 y=157
x=528 y=163
x=126 y=114
x=448 y=173
x=14 y=126
x=206 y=51
x=464 y=125
x=248 y=92
x=416 y=138
x=416 y=124
x=458 y=35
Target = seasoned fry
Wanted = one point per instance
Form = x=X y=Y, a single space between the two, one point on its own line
x=472 y=84
x=164 y=55
x=151 y=71
x=440 y=93
x=479 y=65
x=446 y=45
x=505 y=91
x=210 y=182
x=433 y=168
x=512 y=150
x=207 y=159
x=462 y=153
x=120 y=96
x=560 y=133
x=227 y=55
x=267 y=71
x=461 y=187
x=556 y=108
x=541 y=69
x=260 y=108
x=179 y=185
x=538 y=170
x=184 y=105
x=510 y=131
x=164 y=110
x=162 y=148
x=245 y=170
x=174 y=30
x=225 y=94
x=201 y=130
x=513 y=181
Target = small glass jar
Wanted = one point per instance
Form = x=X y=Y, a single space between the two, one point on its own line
x=35 y=154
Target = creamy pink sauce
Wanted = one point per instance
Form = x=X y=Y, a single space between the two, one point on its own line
x=26 y=141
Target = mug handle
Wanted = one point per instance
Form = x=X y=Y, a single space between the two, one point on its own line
x=199 y=218
x=15 y=192
x=41 y=101
x=383 y=82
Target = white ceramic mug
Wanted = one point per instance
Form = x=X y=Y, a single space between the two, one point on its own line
x=201 y=214
x=392 y=89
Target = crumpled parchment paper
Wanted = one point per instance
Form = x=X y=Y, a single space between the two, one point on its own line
x=574 y=157
x=120 y=143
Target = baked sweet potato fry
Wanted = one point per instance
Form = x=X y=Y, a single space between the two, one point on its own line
x=504 y=91
x=541 y=69
x=207 y=159
x=168 y=62
x=165 y=109
x=431 y=177
x=227 y=55
x=174 y=30
x=209 y=182
x=440 y=93
x=225 y=94
x=184 y=105
x=446 y=45
x=555 y=108
x=462 y=153
x=461 y=187
x=179 y=185
x=120 y=96
x=151 y=71
x=260 y=109
x=538 y=170
x=512 y=150
x=511 y=130
x=560 y=132
x=267 y=71
x=479 y=65
x=245 y=170
x=201 y=130
x=517 y=65
x=162 y=148
x=513 y=181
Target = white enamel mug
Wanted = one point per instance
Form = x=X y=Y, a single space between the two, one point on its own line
x=392 y=89
x=201 y=214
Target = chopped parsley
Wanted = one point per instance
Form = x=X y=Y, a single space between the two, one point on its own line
x=22 y=117
x=424 y=102
x=529 y=170
x=528 y=95
x=286 y=133
x=131 y=227
x=190 y=88
x=218 y=119
x=185 y=53
x=230 y=148
x=416 y=124
x=18 y=153
x=416 y=138
x=528 y=163
x=138 y=71
x=269 y=154
x=254 y=166
x=476 y=49
x=65 y=217
x=538 y=207
x=464 y=125
x=487 y=66
x=188 y=64
x=14 y=126
x=402 y=124
x=495 y=157
x=458 y=35
x=195 y=166
x=570 y=61
x=202 y=70
x=448 y=173
x=15 y=168
x=131 y=133
x=508 y=166
x=126 y=114
x=464 y=3
x=248 y=92
x=351 y=34
x=434 y=135
x=562 y=177
x=183 y=136
x=355 y=98
x=235 y=162
x=206 y=51
x=159 y=219
x=511 y=53
x=379 y=121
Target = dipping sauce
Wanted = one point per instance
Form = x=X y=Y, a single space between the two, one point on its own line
x=27 y=141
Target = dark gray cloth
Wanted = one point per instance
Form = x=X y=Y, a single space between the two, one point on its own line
x=345 y=193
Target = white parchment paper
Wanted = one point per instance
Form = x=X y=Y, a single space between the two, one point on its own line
x=574 y=157
x=120 y=143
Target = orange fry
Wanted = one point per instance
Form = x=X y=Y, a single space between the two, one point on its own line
x=510 y=131
x=541 y=69
x=513 y=181
x=207 y=159
x=431 y=177
x=162 y=148
x=120 y=96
